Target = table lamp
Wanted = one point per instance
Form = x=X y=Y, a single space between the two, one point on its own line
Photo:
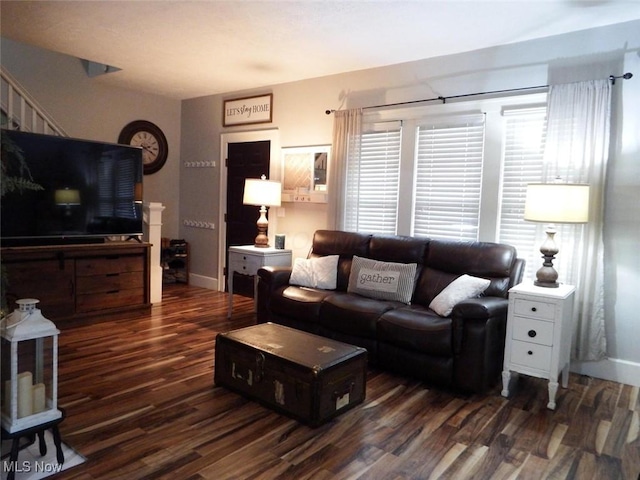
x=263 y=193
x=553 y=203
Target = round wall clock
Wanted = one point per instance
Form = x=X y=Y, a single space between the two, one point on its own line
x=147 y=135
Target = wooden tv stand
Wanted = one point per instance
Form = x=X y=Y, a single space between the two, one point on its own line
x=73 y=281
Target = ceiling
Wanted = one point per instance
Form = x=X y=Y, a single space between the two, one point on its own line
x=187 y=49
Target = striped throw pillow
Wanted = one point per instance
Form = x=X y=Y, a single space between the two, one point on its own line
x=382 y=280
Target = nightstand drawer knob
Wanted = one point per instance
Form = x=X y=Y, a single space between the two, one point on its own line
x=532 y=333
x=534 y=309
x=529 y=352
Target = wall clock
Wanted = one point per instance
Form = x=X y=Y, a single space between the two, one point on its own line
x=147 y=135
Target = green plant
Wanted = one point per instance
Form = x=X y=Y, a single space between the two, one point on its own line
x=14 y=177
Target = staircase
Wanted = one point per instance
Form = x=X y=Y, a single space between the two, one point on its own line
x=20 y=111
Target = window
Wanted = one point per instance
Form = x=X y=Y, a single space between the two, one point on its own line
x=455 y=171
x=449 y=179
x=523 y=149
x=372 y=181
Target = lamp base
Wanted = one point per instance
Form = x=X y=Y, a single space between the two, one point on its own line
x=547 y=276
x=262 y=241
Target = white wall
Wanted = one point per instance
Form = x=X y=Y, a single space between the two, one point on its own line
x=298 y=114
x=91 y=109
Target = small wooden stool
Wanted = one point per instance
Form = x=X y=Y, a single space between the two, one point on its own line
x=31 y=434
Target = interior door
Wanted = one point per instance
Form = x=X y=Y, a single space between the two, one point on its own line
x=244 y=160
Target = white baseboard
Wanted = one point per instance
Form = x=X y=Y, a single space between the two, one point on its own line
x=614 y=369
x=203 y=282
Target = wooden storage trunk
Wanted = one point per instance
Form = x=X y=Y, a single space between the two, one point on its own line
x=304 y=376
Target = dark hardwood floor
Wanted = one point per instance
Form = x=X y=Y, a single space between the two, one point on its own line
x=140 y=401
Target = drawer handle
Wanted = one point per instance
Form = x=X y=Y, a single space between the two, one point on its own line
x=534 y=309
x=529 y=352
x=532 y=333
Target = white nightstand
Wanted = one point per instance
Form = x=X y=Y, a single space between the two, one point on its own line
x=247 y=259
x=538 y=341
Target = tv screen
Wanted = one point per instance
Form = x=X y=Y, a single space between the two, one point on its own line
x=58 y=189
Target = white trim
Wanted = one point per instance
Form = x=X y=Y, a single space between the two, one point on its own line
x=203 y=281
x=273 y=135
x=613 y=369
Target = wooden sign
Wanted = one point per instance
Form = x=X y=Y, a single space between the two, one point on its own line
x=247 y=110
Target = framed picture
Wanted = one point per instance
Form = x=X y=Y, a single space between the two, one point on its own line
x=248 y=110
x=305 y=173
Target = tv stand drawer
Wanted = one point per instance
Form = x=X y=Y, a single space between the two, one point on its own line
x=109 y=299
x=110 y=282
x=109 y=265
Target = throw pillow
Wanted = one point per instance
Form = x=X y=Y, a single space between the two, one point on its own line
x=382 y=280
x=462 y=288
x=318 y=272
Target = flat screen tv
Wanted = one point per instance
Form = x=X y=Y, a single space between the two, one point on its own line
x=66 y=190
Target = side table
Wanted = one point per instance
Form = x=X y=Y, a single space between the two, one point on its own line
x=247 y=260
x=31 y=433
x=538 y=341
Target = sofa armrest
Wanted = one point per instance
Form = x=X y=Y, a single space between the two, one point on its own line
x=270 y=278
x=479 y=328
x=481 y=307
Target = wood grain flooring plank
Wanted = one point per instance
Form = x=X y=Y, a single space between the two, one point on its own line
x=141 y=404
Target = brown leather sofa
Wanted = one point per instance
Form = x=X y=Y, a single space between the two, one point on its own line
x=463 y=351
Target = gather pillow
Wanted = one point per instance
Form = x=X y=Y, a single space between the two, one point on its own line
x=382 y=280
x=316 y=272
x=462 y=288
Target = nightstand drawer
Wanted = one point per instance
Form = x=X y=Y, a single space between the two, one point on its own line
x=246 y=264
x=535 y=309
x=531 y=355
x=534 y=331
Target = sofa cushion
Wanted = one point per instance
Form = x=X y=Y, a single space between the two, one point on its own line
x=298 y=302
x=382 y=280
x=418 y=329
x=447 y=259
x=462 y=288
x=318 y=272
x=353 y=314
x=343 y=244
x=398 y=248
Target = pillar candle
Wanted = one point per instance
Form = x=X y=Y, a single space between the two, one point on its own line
x=39 y=397
x=25 y=394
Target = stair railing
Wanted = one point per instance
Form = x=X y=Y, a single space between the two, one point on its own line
x=20 y=111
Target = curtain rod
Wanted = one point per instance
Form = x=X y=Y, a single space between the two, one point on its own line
x=612 y=79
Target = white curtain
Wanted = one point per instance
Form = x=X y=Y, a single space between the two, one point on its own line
x=576 y=150
x=347 y=132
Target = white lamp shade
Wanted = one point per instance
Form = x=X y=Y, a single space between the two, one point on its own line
x=67 y=196
x=557 y=203
x=261 y=192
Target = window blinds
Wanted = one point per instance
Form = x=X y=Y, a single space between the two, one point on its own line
x=449 y=178
x=524 y=139
x=372 y=181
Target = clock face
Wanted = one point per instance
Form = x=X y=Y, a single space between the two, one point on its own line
x=150 y=138
x=149 y=144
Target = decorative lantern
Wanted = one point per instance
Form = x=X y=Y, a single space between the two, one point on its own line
x=29 y=368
